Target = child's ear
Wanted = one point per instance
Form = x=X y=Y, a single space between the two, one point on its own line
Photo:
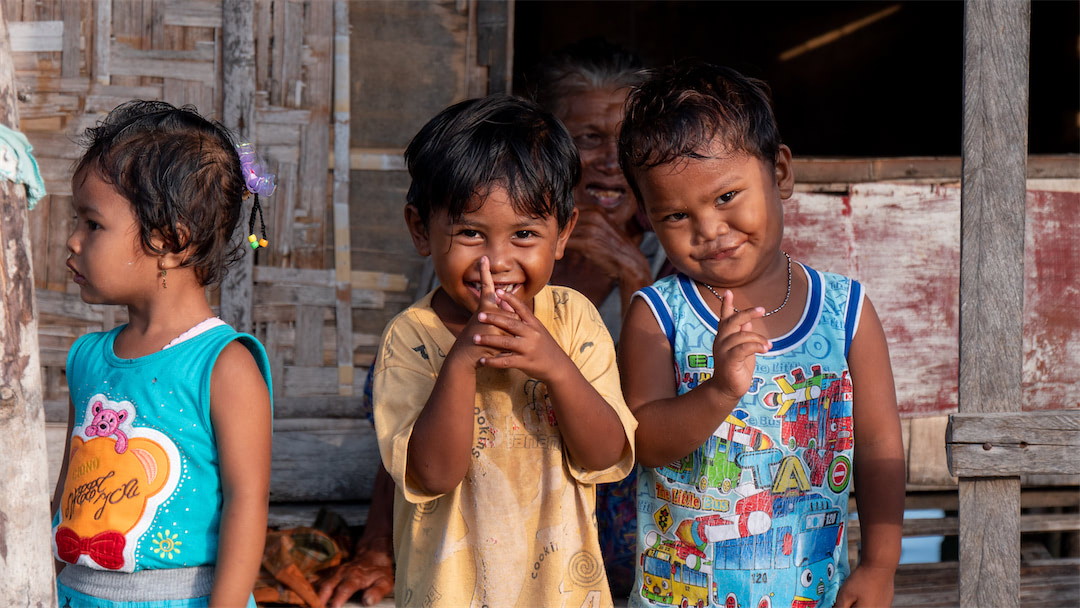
x=170 y=260
x=785 y=174
x=417 y=230
x=564 y=235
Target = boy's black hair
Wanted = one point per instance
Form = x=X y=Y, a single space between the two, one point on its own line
x=493 y=141
x=680 y=110
x=181 y=174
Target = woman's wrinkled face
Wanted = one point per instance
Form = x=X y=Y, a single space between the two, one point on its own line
x=593 y=117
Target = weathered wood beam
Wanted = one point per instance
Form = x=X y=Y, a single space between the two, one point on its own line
x=993 y=189
x=238 y=114
x=26 y=567
x=342 y=239
x=1008 y=444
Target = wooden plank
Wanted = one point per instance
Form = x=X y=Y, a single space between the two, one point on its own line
x=1051 y=331
x=24 y=500
x=192 y=13
x=360 y=279
x=1004 y=460
x=321 y=406
x=322 y=460
x=989 y=538
x=342 y=243
x=100 y=64
x=197 y=64
x=992 y=204
x=316 y=296
x=307 y=381
x=308 y=349
x=1030 y=523
x=1046 y=427
x=36 y=36
x=238 y=114
x=812 y=171
x=292 y=47
x=927 y=462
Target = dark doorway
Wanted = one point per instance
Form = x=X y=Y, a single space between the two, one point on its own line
x=872 y=79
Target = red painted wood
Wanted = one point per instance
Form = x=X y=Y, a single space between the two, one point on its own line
x=903 y=243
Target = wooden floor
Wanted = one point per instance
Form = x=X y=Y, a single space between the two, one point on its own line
x=1042 y=585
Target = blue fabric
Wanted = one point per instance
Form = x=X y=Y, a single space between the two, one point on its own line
x=758 y=513
x=144 y=461
x=18 y=165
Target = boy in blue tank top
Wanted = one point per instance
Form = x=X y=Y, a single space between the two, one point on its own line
x=749 y=444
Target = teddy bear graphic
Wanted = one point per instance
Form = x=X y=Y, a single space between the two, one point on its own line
x=118 y=476
x=107 y=422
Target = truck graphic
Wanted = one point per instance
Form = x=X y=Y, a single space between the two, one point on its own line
x=674 y=574
x=816 y=412
x=754 y=569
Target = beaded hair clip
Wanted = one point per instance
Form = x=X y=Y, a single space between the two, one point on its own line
x=258 y=181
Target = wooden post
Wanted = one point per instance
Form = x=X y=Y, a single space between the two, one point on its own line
x=993 y=190
x=342 y=240
x=238 y=76
x=26 y=565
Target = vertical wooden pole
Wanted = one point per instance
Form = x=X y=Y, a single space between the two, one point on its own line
x=993 y=190
x=26 y=565
x=342 y=240
x=238 y=114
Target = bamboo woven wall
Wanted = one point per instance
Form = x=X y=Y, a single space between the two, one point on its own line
x=75 y=60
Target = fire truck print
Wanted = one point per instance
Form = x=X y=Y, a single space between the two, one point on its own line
x=816 y=412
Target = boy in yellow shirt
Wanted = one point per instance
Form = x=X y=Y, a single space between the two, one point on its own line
x=497 y=398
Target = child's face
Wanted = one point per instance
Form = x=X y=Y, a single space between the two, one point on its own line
x=522 y=250
x=105 y=252
x=720 y=219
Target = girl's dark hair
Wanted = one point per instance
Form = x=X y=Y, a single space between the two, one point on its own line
x=682 y=110
x=592 y=63
x=498 y=140
x=181 y=174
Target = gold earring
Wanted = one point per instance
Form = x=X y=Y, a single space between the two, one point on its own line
x=163 y=273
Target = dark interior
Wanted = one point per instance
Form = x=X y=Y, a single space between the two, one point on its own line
x=863 y=79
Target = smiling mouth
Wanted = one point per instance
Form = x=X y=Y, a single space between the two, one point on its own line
x=719 y=254
x=507 y=287
x=608 y=198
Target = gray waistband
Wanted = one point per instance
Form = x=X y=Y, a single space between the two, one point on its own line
x=165 y=584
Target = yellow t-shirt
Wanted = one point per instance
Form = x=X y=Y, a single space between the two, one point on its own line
x=520 y=529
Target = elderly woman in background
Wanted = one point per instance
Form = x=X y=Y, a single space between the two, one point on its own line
x=611 y=254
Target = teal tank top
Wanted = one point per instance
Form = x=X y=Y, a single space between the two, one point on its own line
x=142 y=489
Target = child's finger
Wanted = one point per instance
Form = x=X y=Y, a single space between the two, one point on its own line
x=487 y=284
x=515 y=304
x=727 y=305
x=741 y=344
x=497 y=342
x=741 y=320
x=509 y=322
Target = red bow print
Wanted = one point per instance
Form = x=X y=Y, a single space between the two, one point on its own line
x=105 y=548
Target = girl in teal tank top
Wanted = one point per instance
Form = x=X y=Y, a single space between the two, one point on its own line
x=163 y=494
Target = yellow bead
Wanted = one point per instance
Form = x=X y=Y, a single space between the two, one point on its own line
x=252 y=238
x=263 y=242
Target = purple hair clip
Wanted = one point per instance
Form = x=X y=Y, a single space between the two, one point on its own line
x=257 y=179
